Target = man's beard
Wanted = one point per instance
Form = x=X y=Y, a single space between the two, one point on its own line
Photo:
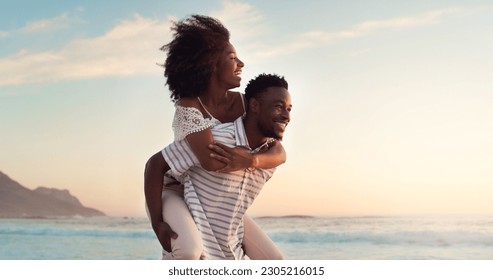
x=269 y=133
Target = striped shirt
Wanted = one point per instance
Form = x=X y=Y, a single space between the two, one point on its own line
x=218 y=201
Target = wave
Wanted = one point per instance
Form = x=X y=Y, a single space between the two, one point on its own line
x=77 y=232
x=286 y=217
x=425 y=238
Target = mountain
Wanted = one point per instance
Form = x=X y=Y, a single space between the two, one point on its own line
x=17 y=201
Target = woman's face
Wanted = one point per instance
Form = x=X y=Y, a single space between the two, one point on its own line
x=228 y=68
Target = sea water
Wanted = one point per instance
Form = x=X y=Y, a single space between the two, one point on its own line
x=298 y=237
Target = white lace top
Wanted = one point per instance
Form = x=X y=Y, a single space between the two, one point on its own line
x=189 y=120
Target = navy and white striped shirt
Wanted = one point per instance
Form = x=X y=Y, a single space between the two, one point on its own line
x=218 y=201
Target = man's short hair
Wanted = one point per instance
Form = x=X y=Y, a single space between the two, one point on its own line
x=260 y=84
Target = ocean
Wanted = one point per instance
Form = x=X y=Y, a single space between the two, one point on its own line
x=298 y=237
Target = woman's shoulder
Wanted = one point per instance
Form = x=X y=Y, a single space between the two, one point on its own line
x=188 y=102
x=235 y=94
x=236 y=97
x=238 y=102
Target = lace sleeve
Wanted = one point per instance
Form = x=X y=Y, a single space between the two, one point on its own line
x=188 y=120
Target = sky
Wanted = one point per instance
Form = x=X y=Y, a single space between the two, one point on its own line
x=391 y=100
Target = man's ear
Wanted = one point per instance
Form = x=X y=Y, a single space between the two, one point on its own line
x=253 y=105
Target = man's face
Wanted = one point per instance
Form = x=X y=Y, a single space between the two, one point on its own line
x=274 y=112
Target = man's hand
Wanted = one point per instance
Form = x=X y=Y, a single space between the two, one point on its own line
x=164 y=234
x=236 y=158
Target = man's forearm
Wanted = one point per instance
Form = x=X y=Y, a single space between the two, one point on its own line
x=153 y=186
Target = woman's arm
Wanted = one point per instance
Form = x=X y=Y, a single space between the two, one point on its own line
x=271 y=158
x=199 y=142
x=239 y=158
x=190 y=124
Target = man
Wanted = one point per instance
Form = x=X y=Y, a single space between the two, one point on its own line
x=218 y=201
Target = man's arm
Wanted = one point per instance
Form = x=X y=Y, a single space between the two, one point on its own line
x=154 y=172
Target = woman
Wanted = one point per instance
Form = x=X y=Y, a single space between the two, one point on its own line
x=201 y=67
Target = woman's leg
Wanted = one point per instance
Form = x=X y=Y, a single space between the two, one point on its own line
x=188 y=245
x=257 y=245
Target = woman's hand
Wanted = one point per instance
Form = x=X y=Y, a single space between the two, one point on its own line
x=236 y=158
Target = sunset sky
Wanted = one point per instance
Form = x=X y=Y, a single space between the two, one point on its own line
x=392 y=100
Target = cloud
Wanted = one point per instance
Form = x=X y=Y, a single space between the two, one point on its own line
x=359 y=52
x=428 y=18
x=62 y=21
x=313 y=39
x=243 y=23
x=59 y=22
x=130 y=48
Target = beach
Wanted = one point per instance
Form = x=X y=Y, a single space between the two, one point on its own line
x=298 y=237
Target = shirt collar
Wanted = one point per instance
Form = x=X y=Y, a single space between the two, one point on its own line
x=241 y=137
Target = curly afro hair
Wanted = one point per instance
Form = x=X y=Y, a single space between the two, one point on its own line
x=192 y=54
x=260 y=84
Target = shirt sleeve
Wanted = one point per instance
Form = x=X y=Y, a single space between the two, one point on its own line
x=180 y=157
x=188 y=120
